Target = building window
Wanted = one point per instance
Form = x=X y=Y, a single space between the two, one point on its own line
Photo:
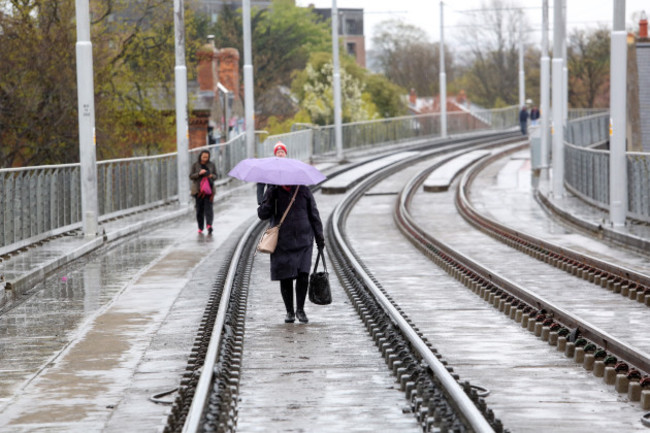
x=353 y=26
x=352 y=49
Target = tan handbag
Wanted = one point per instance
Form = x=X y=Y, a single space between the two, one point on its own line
x=269 y=239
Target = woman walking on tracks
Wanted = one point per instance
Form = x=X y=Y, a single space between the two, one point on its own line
x=203 y=174
x=292 y=257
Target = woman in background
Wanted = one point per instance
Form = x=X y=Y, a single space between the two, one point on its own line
x=203 y=168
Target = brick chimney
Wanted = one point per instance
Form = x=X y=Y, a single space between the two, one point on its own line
x=643 y=26
x=413 y=97
x=207 y=68
x=229 y=69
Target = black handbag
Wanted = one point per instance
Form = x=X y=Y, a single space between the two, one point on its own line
x=319 y=284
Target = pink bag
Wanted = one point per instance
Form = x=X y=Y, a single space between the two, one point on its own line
x=205 y=189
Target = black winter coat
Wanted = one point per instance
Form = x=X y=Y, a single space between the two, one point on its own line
x=296 y=237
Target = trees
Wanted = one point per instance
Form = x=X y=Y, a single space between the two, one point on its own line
x=283 y=37
x=133 y=60
x=588 y=62
x=491 y=73
x=37 y=107
x=408 y=59
x=313 y=87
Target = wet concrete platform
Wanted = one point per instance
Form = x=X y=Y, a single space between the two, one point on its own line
x=97 y=338
x=533 y=386
x=85 y=354
x=440 y=179
x=345 y=181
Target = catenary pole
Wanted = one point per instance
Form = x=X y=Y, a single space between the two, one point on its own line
x=180 y=77
x=522 y=82
x=618 y=119
x=443 y=77
x=249 y=108
x=86 y=109
x=545 y=90
x=338 y=135
x=558 y=127
x=565 y=68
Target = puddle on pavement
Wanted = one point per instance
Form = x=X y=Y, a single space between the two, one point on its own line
x=34 y=330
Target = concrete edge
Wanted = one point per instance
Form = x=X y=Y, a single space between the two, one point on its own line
x=598 y=230
x=13 y=289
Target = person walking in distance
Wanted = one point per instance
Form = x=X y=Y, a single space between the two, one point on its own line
x=279 y=150
x=534 y=116
x=523 y=120
x=203 y=174
x=291 y=260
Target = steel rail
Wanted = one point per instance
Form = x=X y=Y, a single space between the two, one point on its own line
x=194 y=419
x=470 y=212
x=637 y=358
x=466 y=407
x=194 y=416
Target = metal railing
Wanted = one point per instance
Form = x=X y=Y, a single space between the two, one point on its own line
x=384 y=132
x=587 y=168
x=298 y=144
x=128 y=184
x=224 y=155
x=38 y=202
x=43 y=201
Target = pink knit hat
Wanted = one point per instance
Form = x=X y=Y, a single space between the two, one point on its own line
x=278 y=146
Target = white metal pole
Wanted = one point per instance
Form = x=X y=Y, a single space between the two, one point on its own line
x=338 y=134
x=565 y=67
x=180 y=76
x=249 y=100
x=522 y=83
x=86 y=108
x=443 y=78
x=618 y=120
x=545 y=89
x=558 y=127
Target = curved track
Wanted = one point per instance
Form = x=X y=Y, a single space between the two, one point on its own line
x=404 y=318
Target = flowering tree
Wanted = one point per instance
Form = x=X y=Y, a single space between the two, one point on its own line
x=319 y=96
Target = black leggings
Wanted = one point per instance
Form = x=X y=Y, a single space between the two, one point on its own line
x=286 y=287
x=204 y=210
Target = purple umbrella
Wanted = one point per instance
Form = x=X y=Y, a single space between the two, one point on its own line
x=277 y=171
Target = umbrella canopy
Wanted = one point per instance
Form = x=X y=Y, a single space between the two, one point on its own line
x=277 y=171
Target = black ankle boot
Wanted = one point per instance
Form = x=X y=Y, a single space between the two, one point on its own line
x=290 y=318
x=302 y=317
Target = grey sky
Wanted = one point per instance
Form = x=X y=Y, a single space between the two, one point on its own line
x=425 y=14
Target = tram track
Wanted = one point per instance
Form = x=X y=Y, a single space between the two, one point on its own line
x=439 y=400
x=621 y=359
x=614 y=277
x=217 y=366
x=437 y=397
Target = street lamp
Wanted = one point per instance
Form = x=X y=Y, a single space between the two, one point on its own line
x=338 y=135
x=558 y=101
x=618 y=119
x=180 y=76
x=443 y=78
x=86 y=112
x=249 y=109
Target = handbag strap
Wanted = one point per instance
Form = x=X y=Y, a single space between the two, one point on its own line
x=289 y=207
x=320 y=252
